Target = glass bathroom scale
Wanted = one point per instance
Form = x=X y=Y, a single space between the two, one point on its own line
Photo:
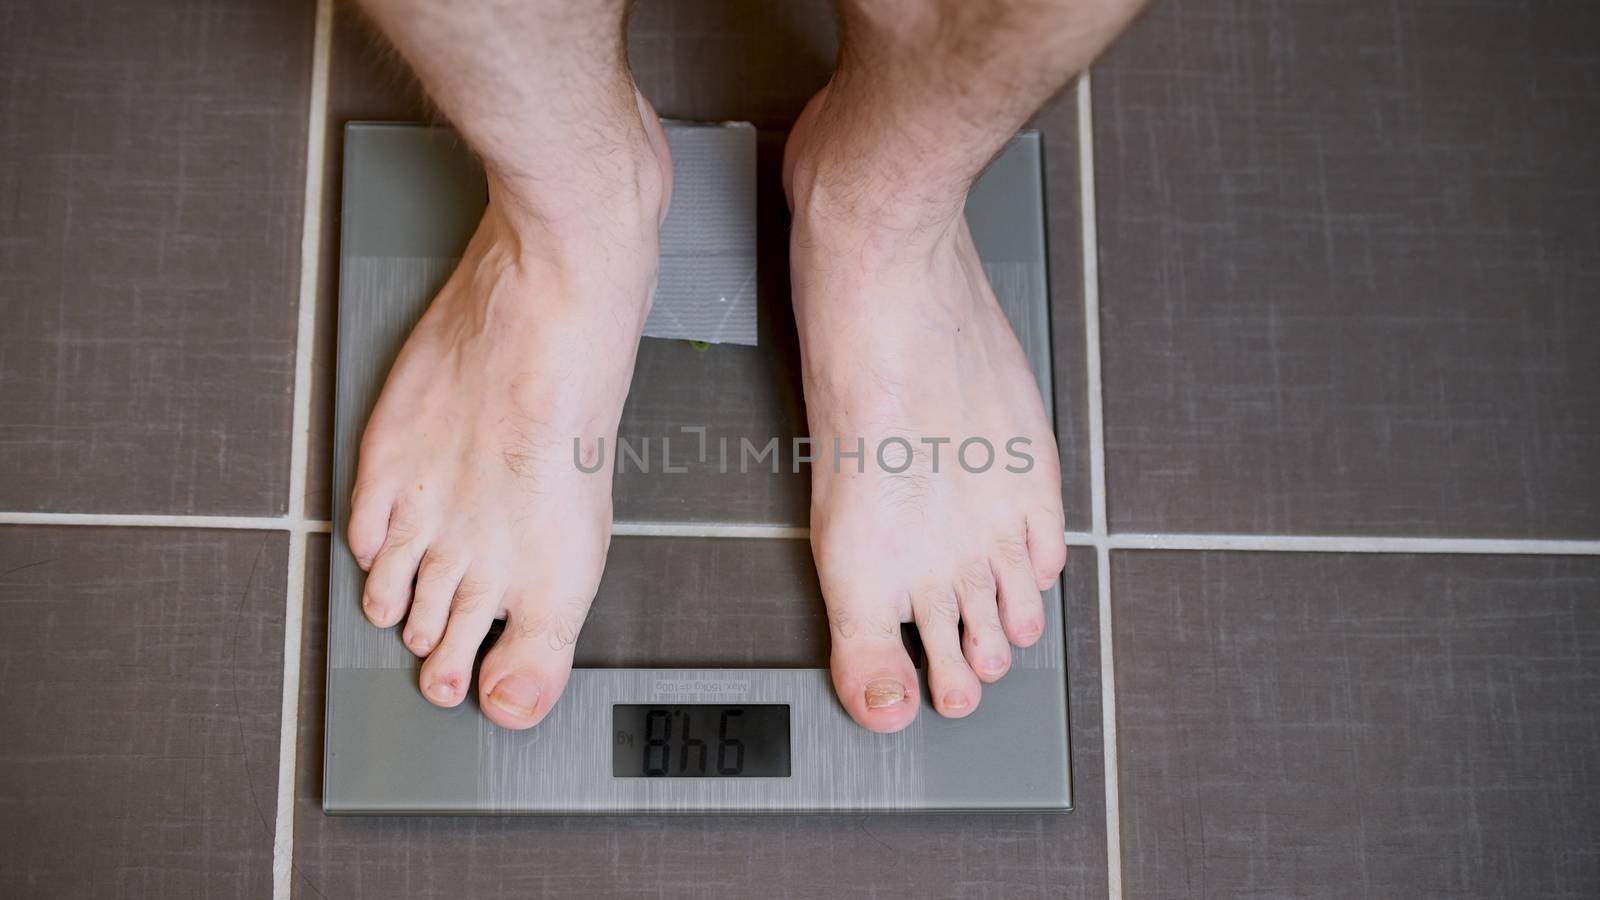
x=701 y=682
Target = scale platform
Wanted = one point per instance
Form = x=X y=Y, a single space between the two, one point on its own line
x=701 y=682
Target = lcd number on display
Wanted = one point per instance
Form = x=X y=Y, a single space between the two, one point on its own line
x=700 y=741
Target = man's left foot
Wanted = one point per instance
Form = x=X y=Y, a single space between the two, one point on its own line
x=902 y=340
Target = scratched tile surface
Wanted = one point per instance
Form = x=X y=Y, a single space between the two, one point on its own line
x=1336 y=726
x=700 y=856
x=149 y=232
x=140 y=686
x=1350 y=259
x=716 y=61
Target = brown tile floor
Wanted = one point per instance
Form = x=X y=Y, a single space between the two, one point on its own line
x=1349 y=725
x=1349 y=253
x=149 y=253
x=140 y=687
x=1347 y=270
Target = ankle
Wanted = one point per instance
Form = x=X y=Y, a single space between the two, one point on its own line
x=513 y=290
x=605 y=183
x=868 y=181
x=866 y=218
x=570 y=196
x=542 y=252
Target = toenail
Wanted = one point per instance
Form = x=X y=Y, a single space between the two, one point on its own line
x=441 y=691
x=1030 y=631
x=884 y=692
x=955 y=700
x=419 y=644
x=516 y=694
x=994 y=665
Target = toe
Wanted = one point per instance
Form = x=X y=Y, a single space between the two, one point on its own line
x=1021 y=608
x=955 y=690
x=448 y=669
x=369 y=521
x=525 y=673
x=387 y=594
x=1047 y=547
x=984 y=640
x=437 y=579
x=871 y=672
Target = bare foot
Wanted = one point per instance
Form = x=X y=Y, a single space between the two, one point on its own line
x=902 y=338
x=466 y=483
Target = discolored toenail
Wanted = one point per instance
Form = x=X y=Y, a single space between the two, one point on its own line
x=955 y=700
x=516 y=694
x=882 y=692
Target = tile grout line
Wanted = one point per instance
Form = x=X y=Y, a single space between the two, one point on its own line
x=305 y=336
x=310 y=264
x=1091 y=310
x=1270 y=543
x=1097 y=479
x=1195 y=541
x=139 y=520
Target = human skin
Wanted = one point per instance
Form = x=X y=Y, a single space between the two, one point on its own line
x=468 y=505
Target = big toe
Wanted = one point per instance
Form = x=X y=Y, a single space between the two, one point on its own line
x=527 y=670
x=872 y=673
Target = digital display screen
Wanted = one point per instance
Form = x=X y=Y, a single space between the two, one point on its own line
x=700 y=741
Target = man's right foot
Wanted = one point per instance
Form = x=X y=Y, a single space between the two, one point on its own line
x=467 y=484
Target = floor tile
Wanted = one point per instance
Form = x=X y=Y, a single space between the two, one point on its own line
x=716 y=61
x=791 y=856
x=1380 y=726
x=366 y=82
x=141 y=687
x=1349 y=259
x=149 y=253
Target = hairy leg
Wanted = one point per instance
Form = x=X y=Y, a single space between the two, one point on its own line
x=901 y=337
x=467 y=504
